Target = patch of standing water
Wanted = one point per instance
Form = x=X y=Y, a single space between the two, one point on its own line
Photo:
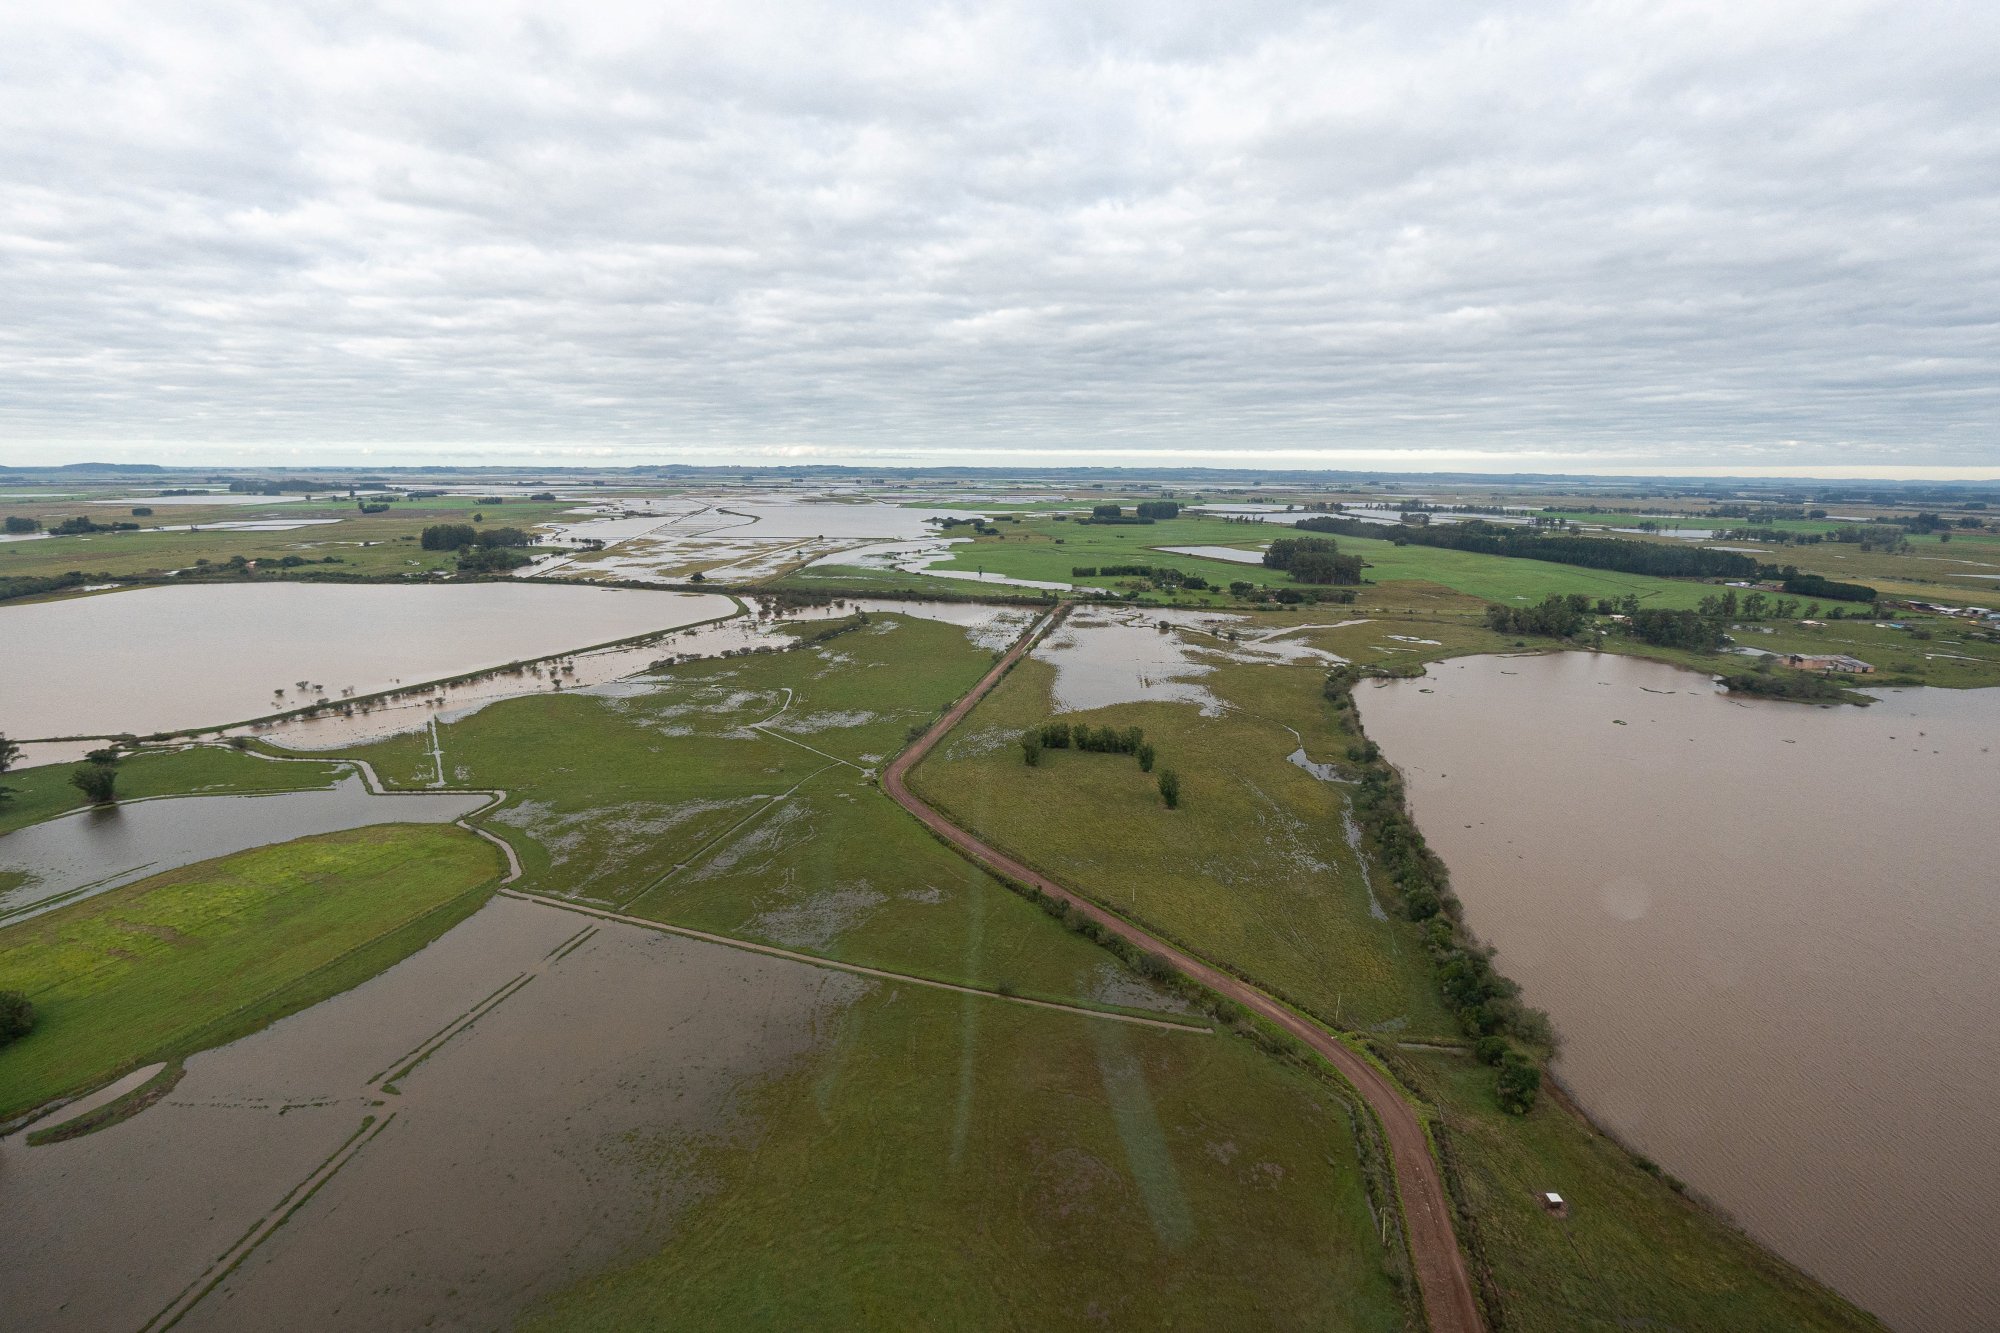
x=555 y=1134
x=89 y=851
x=1232 y=554
x=219 y=653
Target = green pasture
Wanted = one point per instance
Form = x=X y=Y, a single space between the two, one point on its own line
x=948 y=1162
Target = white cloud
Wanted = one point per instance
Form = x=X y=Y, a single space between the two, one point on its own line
x=1626 y=235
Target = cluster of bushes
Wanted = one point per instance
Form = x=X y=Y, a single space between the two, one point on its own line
x=32 y=585
x=1159 y=509
x=372 y=506
x=1486 y=1004
x=1313 y=560
x=17 y=1015
x=20 y=524
x=484 y=559
x=1798 y=685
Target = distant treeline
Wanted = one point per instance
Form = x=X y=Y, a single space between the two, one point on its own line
x=1111 y=571
x=458 y=536
x=1617 y=554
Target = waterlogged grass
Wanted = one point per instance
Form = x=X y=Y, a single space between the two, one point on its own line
x=201 y=955
x=45 y=791
x=1253 y=871
x=1632 y=1253
x=954 y=1163
x=663 y=799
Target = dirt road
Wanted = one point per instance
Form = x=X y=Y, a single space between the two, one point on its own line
x=1441 y=1271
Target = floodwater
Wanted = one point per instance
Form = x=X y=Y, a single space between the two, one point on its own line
x=163 y=659
x=1765 y=932
x=556 y=1127
x=1104 y=656
x=88 y=851
x=1232 y=554
x=991 y=627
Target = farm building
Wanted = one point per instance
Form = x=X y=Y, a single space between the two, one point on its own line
x=1840 y=662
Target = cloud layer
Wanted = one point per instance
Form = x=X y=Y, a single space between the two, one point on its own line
x=1559 y=235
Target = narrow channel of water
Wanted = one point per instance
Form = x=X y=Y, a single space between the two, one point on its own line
x=1765 y=932
x=89 y=851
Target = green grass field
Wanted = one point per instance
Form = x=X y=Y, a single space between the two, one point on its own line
x=367 y=544
x=198 y=956
x=952 y=1163
x=45 y=791
x=1252 y=871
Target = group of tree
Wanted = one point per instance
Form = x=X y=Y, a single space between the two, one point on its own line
x=1158 y=509
x=1313 y=560
x=1101 y=740
x=20 y=524
x=1111 y=513
x=1111 y=571
x=458 y=536
x=1557 y=616
x=1802 y=686
x=1818 y=585
x=80 y=526
x=97 y=777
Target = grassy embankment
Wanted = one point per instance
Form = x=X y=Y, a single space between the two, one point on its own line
x=1633 y=1252
x=664 y=801
x=951 y=1163
x=202 y=955
x=45 y=791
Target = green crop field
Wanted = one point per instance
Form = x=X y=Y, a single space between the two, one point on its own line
x=952 y=1163
x=197 y=956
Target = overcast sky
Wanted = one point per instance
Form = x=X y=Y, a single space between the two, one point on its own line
x=1746 y=234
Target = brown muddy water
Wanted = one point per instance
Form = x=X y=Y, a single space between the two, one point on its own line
x=160 y=659
x=555 y=1133
x=1765 y=932
x=91 y=850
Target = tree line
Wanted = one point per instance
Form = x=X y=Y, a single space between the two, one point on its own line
x=1101 y=740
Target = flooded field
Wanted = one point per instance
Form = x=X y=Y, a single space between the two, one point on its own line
x=1760 y=929
x=519 y=1105
x=159 y=659
x=1109 y=656
x=91 y=850
x=991 y=627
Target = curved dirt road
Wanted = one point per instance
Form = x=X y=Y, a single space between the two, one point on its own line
x=1441 y=1272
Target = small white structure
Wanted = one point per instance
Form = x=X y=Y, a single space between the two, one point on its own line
x=1553 y=1203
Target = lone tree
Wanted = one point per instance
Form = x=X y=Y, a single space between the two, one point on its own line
x=17 y=1015
x=97 y=781
x=1031 y=748
x=1170 y=788
x=1519 y=1083
x=9 y=752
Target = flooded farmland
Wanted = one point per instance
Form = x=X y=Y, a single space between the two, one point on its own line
x=521 y=1104
x=1758 y=928
x=161 y=659
x=91 y=850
